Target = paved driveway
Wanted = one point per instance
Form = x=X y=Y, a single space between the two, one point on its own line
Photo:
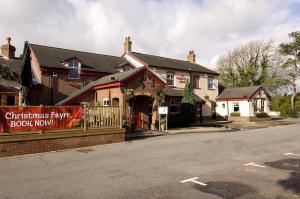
x=213 y=165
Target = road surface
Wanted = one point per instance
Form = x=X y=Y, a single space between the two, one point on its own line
x=211 y=165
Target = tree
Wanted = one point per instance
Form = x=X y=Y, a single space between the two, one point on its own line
x=256 y=63
x=6 y=73
x=291 y=65
x=187 y=108
x=188 y=95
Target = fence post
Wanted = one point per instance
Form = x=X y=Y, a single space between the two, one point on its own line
x=84 y=116
x=121 y=125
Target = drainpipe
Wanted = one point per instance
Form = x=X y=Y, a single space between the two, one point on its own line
x=227 y=109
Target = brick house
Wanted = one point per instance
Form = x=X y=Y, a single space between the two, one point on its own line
x=176 y=72
x=9 y=88
x=141 y=82
x=51 y=74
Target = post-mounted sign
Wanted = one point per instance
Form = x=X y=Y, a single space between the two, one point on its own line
x=163 y=110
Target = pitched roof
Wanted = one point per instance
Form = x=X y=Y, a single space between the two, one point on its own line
x=117 y=77
x=159 y=61
x=14 y=65
x=178 y=92
x=9 y=85
x=54 y=57
x=239 y=92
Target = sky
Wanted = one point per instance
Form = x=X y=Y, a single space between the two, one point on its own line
x=161 y=27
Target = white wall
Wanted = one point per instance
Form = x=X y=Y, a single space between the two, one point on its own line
x=244 y=108
x=260 y=97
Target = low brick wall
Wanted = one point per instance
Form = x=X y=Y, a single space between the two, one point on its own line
x=22 y=147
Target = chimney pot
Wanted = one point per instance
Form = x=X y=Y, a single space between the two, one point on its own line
x=7 y=50
x=8 y=40
x=127 y=44
x=191 y=57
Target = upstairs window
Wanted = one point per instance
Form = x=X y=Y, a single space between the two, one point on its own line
x=73 y=64
x=170 y=79
x=210 y=83
x=196 y=81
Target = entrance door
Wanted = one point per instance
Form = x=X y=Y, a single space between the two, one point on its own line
x=141 y=111
x=199 y=112
x=138 y=120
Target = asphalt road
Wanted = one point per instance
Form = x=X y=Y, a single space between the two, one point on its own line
x=154 y=167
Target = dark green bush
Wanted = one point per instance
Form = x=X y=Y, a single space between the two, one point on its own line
x=282 y=104
x=235 y=114
x=293 y=113
x=261 y=115
x=179 y=120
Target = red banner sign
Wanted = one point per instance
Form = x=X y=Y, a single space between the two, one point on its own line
x=18 y=119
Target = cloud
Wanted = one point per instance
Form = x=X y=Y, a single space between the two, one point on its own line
x=169 y=28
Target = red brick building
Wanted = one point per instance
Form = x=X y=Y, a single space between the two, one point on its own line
x=51 y=74
x=136 y=82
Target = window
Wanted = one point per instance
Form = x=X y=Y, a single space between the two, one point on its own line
x=262 y=105
x=196 y=81
x=210 y=83
x=105 y=102
x=174 y=105
x=74 y=69
x=236 y=107
x=170 y=79
x=115 y=101
x=255 y=106
x=10 y=100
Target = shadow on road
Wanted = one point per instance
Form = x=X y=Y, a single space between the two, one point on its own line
x=292 y=183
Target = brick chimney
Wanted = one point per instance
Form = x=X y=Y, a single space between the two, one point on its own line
x=7 y=50
x=127 y=45
x=191 y=57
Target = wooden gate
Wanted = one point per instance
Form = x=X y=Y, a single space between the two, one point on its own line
x=102 y=116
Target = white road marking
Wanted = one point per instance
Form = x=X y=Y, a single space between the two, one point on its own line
x=294 y=154
x=254 y=165
x=194 y=180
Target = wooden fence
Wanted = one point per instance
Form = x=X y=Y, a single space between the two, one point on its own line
x=101 y=116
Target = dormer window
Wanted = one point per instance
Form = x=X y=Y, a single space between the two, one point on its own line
x=74 y=66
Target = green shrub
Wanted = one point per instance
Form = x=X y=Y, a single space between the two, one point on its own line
x=235 y=114
x=293 y=113
x=178 y=121
x=261 y=114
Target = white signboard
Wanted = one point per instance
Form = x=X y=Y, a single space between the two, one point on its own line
x=163 y=110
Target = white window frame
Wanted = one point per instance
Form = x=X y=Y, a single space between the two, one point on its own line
x=262 y=105
x=72 y=66
x=210 y=83
x=105 y=101
x=171 y=79
x=236 y=104
x=174 y=102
